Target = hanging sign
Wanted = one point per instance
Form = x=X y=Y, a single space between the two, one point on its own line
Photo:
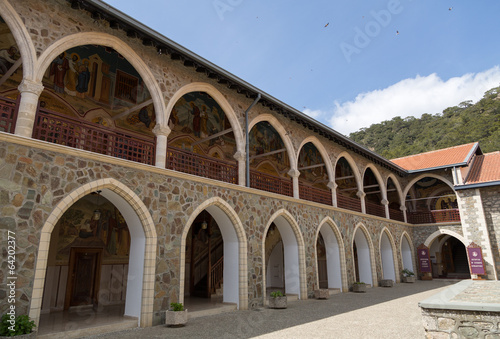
x=424 y=260
x=476 y=263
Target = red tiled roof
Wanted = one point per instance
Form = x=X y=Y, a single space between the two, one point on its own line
x=485 y=168
x=443 y=157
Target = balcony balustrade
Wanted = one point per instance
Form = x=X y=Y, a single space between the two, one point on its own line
x=8 y=115
x=315 y=194
x=435 y=216
x=271 y=183
x=348 y=203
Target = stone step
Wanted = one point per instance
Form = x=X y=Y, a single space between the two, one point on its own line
x=126 y=323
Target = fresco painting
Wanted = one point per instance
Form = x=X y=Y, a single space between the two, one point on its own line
x=431 y=193
x=265 y=139
x=77 y=228
x=9 y=55
x=344 y=178
x=310 y=156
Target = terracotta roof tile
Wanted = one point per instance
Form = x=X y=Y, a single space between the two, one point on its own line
x=485 y=168
x=438 y=158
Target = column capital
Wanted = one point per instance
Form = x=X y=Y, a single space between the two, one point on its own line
x=332 y=185
x=30 y=86
x=402 y=208
x=384 y=202
x=161 y=130
x=361 y=194
x=239 y=156
x=293 y=173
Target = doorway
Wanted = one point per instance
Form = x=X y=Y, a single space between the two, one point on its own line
x=83 y=277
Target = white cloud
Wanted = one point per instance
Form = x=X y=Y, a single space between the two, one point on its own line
x=416 y=96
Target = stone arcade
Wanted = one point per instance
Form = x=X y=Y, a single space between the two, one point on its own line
x=123 y=161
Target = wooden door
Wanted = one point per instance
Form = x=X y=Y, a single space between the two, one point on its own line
x=83 y=277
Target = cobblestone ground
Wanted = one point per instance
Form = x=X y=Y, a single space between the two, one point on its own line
x=379 y=313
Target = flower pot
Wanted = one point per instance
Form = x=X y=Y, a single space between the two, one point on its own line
x=359 y=288
x=409 y=279
x=322 y=293
x=278 y=302
x=176 y=318
x=386 y=283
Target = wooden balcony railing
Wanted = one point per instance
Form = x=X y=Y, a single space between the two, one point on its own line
x=271 y=183
x=216 y=275
x=396 y=214
x=200 y=165
x=310 y=193
x=8 y=115
x=375 y=209
x=62 y=130
x=348 y=203
x=432 y=217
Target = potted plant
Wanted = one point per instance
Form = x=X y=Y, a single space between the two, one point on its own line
x=359 y=287
x=408 y=276
x=20 y=326
x=277 y=300
x=176 y=316
x=322 y=293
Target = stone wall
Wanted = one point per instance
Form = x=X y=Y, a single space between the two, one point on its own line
x=441 y=324
x=33 y=180
x=491 y=205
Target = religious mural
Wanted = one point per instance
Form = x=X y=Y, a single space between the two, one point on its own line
x=77 y=228
x=431 y=194
x=97 y=84
x=198 y=117
x=344 y=178
x=9 y=63
x=265 y=139
x=309 y=156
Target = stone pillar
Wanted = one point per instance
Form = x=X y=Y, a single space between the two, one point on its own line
x=161 y=133
x=475 y=227
x=361 y=195
x=333 y=186
x=240 y=157
x=30 y=92
x=385 y=202
x=295 y=178
x=404 y=209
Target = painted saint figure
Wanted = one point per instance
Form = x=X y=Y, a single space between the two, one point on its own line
x=7 y=59
x=82 y=85
x=196 y=119
x=58 y=69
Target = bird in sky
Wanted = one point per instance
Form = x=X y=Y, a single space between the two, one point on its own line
x=327 y=24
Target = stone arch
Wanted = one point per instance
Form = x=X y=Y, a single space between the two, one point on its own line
x=282 y=133
x=220 y=99
x=367 y=265
x=22 y=37
x=142 y=248
x=294 y=253
x=125 y=50
x=324 y=154
x=354 y=168
x=388 y=256
x=235 y=250
x=407 y=252
x=426 y=175
x=398 y=187
x=376 y=173
x=436 y=234
x=337 y=271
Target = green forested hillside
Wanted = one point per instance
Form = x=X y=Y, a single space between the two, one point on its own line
x=457 y=125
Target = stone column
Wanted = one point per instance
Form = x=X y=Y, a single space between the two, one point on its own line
x=161 y=133
x=333 y=186
x=475 y=227
x=295 y=179
x=385 y=202
x=240 y=157
x=404 y=209
x=361 y=195
x=30 y=92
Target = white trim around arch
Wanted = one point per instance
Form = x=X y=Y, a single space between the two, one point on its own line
x=388 y=256
x=366 y=255
x=407 y=252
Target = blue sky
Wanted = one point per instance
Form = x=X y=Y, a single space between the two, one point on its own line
x=348 y=64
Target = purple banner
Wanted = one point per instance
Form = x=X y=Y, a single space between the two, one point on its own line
x=475 y=260
x=424 y=261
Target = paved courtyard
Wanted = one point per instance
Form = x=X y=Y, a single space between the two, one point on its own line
x=378 y=313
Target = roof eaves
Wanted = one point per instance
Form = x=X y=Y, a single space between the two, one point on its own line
x=477 y=185
x=437 y=168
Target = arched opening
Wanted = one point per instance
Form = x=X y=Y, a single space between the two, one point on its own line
x=362 y=258
x=282 y=265
x=95 y=266
x=202 y=140
x=212 y=260
x=11 y=75
x=407 y=254
x=395 y=212
x=449 y=258
x=431 y=200
x=313 y=179
x=387 y=257
x=347 y=187
x=269 y=160
x=329 y=262
x=373 y=197
x=94 y=99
